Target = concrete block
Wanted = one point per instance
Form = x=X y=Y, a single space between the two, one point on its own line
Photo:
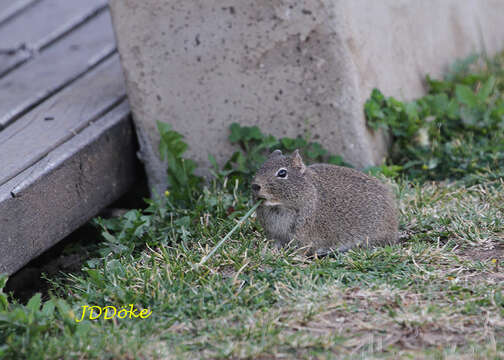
x=286 y=65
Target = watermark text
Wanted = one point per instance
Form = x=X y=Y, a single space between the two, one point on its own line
x=110 y=312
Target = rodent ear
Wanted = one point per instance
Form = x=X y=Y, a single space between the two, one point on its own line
x=275 y=153
x=297 y=161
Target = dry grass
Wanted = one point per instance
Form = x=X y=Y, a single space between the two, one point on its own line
x=439 y=294
x=451 y=306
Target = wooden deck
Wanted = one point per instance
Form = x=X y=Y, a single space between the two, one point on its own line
x=67 y=145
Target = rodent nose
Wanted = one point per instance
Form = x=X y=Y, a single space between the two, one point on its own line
x=256 y=187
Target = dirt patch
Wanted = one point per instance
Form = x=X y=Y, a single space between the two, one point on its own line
x=494 y=257
x=400 y=320
x=484 y=255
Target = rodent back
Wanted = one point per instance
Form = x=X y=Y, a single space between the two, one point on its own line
x=353 y=199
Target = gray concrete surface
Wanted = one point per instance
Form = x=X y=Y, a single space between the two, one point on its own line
x=286 y=66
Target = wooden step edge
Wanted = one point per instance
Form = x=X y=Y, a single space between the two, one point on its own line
x=67 y=188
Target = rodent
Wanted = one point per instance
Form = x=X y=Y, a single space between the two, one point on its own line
x=323 y=207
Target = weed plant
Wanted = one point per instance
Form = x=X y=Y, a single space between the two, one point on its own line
x=456 y=131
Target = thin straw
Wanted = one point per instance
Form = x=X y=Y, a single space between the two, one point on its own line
x=204 y=260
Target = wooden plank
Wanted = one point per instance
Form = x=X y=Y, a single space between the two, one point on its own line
x=55 y=68
x=67 y=188
x=59 y=118
x=9 y=8
x=46 y=20
x=40 y=25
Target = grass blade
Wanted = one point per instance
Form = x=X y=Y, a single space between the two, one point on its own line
x=228 y=235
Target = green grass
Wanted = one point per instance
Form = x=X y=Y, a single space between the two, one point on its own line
x=437 y=294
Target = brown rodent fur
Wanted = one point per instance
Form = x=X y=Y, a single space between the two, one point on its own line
x=323 y=207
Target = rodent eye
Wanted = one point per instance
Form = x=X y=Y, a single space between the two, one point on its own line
x=282 y=173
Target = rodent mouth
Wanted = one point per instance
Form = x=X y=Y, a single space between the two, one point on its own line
x=266 y=201
x=260 y=196
x=272 y=203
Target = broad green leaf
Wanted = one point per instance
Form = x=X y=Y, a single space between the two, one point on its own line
x=19 y=315
x=337 y=160
x=288 y=143
x=34 y=303
x=235 y=135
x=270 y=141
x=163 y=127
x=48 y=308
x=4 y=303
x=438 y=86
x=65 y=311
x=108 y=236
x=373 y=110
x=466 y=96
x=291 y=144
x=438 y=104
x=3 y=281
x=411 y=110
x=252 y=133
x=213 y=162
x=486 y=89
x=315 y=150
